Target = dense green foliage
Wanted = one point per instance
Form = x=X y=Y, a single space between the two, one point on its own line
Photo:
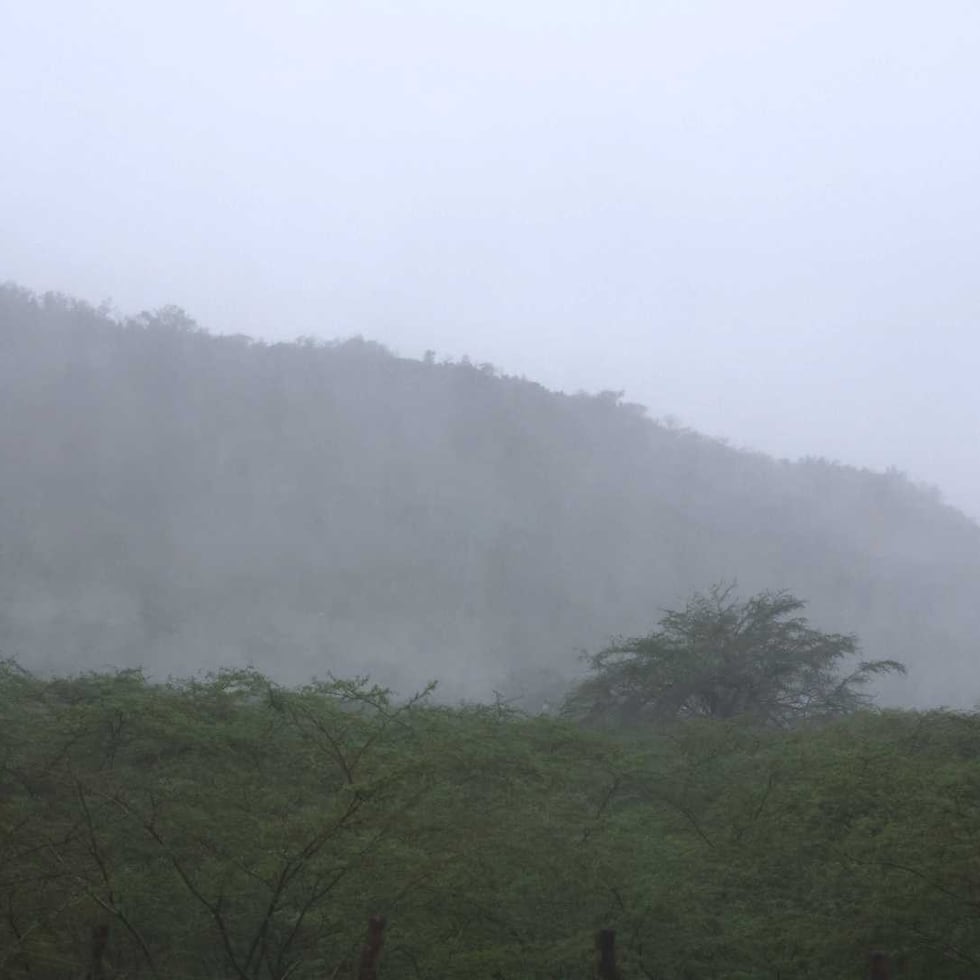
x=721 y=657
x=173 y=499
x=234 y=828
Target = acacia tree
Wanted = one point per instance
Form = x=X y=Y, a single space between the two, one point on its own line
x=721 y=657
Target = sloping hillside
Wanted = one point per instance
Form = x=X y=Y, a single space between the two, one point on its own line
x=178 y=500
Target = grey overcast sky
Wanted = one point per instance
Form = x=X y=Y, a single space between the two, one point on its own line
x=762 y=218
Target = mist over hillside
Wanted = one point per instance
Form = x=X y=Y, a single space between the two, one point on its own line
x=179 y=500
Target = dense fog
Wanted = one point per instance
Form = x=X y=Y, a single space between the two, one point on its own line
x=179 y=501
x=760 y=218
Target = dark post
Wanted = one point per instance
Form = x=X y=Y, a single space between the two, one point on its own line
x=879 y=966
x=100 y=936
x=605 y=949
x=371 y=951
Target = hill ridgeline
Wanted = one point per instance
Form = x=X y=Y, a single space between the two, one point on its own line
x=179 y=500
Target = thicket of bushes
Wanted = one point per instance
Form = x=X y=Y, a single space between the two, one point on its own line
x=230 y=827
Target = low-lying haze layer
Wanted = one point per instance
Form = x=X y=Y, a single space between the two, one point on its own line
x=181 y=500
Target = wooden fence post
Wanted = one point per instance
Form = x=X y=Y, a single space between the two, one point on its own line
x=100 y=937
x=605 y=950
x=367 y=969
x=879 y=966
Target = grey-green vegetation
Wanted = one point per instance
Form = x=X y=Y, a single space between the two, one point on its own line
x=176 y=500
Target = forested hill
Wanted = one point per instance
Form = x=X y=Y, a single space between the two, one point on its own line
x=180 y=500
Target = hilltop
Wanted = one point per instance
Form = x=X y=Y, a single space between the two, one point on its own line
x=180 y=500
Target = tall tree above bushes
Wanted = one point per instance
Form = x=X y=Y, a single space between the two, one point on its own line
x=723 y=657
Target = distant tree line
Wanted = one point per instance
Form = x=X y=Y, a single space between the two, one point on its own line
x=173 y=499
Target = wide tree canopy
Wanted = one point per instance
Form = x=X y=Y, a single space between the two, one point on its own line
x=722 y=657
